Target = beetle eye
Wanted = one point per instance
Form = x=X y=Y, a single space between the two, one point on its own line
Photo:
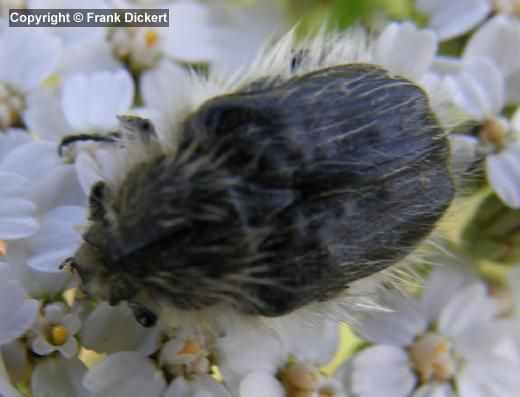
x=146 y=126
x=143 y=315
x=147 y=320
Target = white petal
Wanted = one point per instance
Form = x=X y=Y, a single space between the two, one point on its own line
x=478 y=89
x=435 y=390
x=514 y=283
x=244 y=30
x=59 y=188
x=110 y=329
x=42 y=347
x=200 y=386
x=43 y=157
x=16 y=210
x=261 y=384
x=479 y=340
x=190 y=37
x=444 y=64
x=492 y=377
x=27 y=57
x=72 y=322
x=265 y=350
x=57 y=239
x=87 y=170
x=453 y=18
x=17 y=312
x=398 y=326
x=92 y=102
x=44 y=115
x=497 y=40
x=463 y=151
x=11 y=139
x=315 y=343
x=87 y=56
x=125 y=374
x=515 y=121
x=6 y=390
x=164 y=89
x=69 y=348
x=397 y=40
x=14 y=355
x=382 y=370
x=503 y=173
x=444 y=282
x=58 y=377
x=470 y=305
x=37 y=284
x=54 y=312
x=513 y=87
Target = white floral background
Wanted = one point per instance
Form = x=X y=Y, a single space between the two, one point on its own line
x=448 y=327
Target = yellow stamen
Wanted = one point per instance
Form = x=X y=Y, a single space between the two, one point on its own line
x=59 y=335
x=303 y=376
x=151 y=37
x=494 y=132
x=441 y=347
x=190 y=347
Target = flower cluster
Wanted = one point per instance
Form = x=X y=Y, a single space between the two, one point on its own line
x=451 y=332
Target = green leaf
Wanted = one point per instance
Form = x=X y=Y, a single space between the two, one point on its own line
x=493 y=233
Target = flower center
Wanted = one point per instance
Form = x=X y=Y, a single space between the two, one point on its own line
x=190 y=348
x=303 y=376
x=11 y=106
x=507 y=6
x=432 y=359
x=138 y=47
x=151 y=37
x=494 y=134
x=59 y=335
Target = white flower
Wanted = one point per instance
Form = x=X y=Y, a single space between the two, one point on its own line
x=497 y=40
x=126 y=374
x=421 y=351
x=259 y=384
x=56 y=331
x=27 y=58
x=133 y=374
x=303 y=378
x=16 y=310
x=16 y=208
x=57 y=238
x=202 y=386
x=87 y=104
x=52 y=200
x=239 y=30
x=59 y=377
x=399 y=39
x=110 y=329
x=453 y=18
x=164 y=90
x=11 y=139
x=479 y=89
x=187 y=39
